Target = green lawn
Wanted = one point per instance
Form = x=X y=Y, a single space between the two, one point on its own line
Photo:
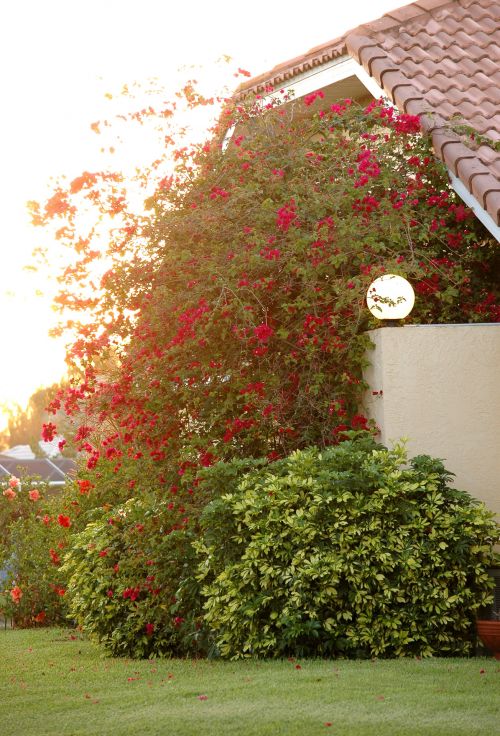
x=52 y=682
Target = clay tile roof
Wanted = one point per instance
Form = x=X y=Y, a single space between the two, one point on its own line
x=439 y=59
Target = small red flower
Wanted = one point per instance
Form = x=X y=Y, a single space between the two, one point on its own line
x=48 y=432
x=34 y=495
x=149 y=629
x=263 y=333
x=64 y=520
x=54 y=557
x=84 y=486
x=16 y=594
x=359 y=422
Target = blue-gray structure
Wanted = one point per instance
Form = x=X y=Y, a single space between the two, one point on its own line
x=54 y=471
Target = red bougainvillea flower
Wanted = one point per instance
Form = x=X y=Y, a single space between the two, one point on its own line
x=48 y=432
x=54 y=557
x=359 y=422
x=149 y=629
x=34 y=495
x=83 y=432
x=84 y=486
x=263 y=333
x=64 y=520
x=10 y=494
x=131 y=593
x=16 y=594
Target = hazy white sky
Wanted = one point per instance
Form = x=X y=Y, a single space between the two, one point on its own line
x=57 y=59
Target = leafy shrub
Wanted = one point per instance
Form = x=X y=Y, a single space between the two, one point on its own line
x=124 y=571
x=32 y=541
x=349 y=551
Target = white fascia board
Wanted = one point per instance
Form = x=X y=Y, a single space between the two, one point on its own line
x=322 y=76
x=370 y=83
x=315 y=79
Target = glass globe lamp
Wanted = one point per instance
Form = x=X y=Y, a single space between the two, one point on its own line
x=390 y=298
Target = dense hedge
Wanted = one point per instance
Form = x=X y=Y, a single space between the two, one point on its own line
x=350 y=551
x=124 y=571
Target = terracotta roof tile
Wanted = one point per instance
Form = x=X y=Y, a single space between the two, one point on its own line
x=384 y=24
x=430 y=4
x=439 y=59
x=483 y=185
x=454 y=152
x=407 y=12
x=468 y=167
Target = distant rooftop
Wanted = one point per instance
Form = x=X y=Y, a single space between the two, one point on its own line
x=54 y=471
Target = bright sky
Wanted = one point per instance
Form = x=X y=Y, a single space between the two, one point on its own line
x=58 y=59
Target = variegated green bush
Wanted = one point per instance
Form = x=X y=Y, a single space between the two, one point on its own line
x=348 y=551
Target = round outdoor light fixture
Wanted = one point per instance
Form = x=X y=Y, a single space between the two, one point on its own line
x=390 y=297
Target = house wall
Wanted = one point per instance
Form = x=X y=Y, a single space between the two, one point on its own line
x=439 y=386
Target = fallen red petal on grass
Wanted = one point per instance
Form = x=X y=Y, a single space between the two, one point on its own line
x=202 y=697
x=298 y=666
x=481 y=672
x=328 y=723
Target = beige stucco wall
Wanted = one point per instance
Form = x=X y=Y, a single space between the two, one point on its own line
x=439 y=386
